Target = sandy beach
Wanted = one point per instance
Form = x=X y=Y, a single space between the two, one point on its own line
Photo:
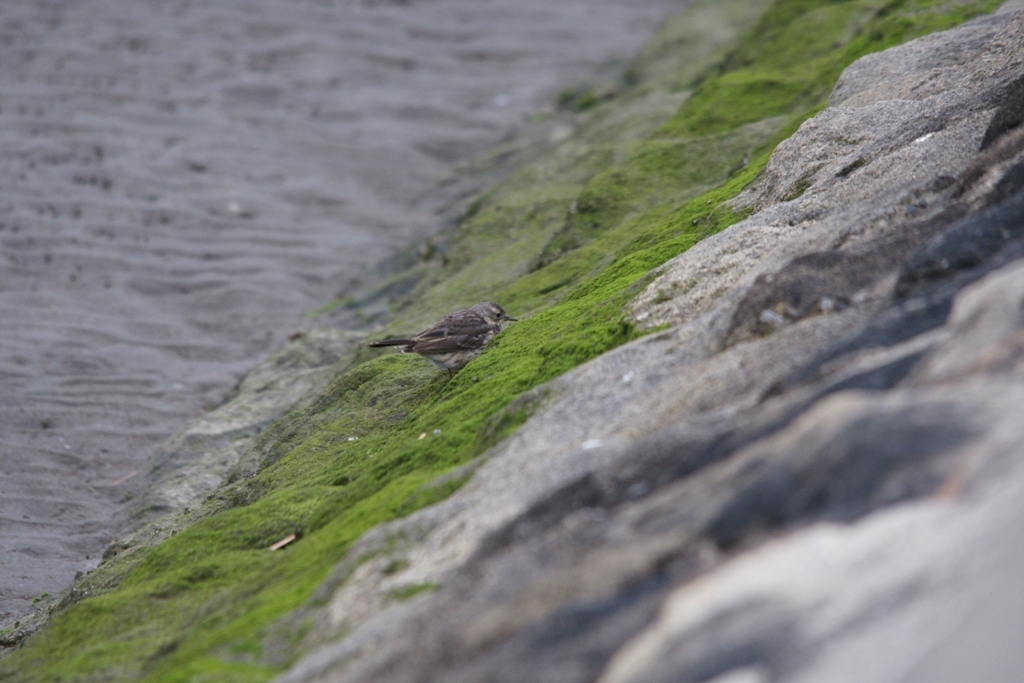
x=180 y=181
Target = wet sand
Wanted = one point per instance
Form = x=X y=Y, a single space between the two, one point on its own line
x=180 y=181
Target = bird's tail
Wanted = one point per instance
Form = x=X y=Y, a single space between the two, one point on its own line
x=392 y=342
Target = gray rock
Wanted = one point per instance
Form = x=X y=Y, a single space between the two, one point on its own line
x=858 y=170
x=803 y=478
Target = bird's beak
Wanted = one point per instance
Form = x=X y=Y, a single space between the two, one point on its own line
x=511 y=320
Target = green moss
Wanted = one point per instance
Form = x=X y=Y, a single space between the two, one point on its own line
x=582 y=98
x=395 y=566
x=407 y=592
x=565 y=243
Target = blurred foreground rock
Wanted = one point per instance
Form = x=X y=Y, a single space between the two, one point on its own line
x=810 y=475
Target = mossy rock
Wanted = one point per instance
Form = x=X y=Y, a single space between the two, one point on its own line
x=563 y=243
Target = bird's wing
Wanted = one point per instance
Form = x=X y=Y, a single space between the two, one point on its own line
x=459 y=342
x=455 y=324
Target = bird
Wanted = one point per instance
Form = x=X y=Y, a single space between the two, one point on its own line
x=457 y=338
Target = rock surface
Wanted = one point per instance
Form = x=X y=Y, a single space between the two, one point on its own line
x=809 y=475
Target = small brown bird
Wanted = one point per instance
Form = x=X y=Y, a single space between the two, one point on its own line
x=457 y=339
